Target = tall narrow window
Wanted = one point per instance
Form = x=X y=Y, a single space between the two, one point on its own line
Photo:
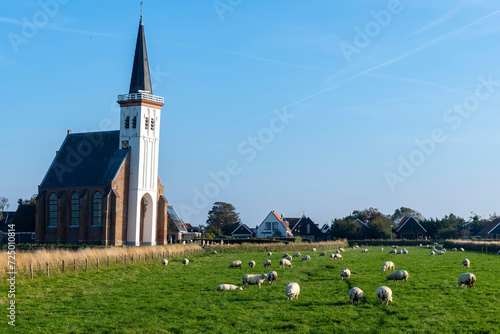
x=75 y=210
x=53 y=210
x=127 y=122
x=146 y=123
x=97 y=209
x=134 y=122
x=152 y=123
x=308 y=228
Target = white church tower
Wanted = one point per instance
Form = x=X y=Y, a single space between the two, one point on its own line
x=140 y=113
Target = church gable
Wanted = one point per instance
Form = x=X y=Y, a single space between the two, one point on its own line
x=86 y=160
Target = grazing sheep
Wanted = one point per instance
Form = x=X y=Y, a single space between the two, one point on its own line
x=285 y=263
x=394 y=246
x=463 y=250
x=440 y=253
x=272 y=276
x=253 y=279
x=306 y=258
x=398 y=275
x=388 y=265
x=400 y=251
x=235 y=264
x=337 y=251
x=164 y=262
x=345 y=273
x=322 y=254
x=355 y=295
x=404 y=251
x=269 y=253
x=336 y=256
x=467 y=279
x=227 y=287
x=355 y=246
x=267 y=263
x=433 y=252
x=214 y=252
x=466 y=263
x=454 y=250
x=497 y=252
x=364 y=250
x=384 y=294
x=341 y=249
x=251 y=264
x=381 y=249
x=185 y=262
x=289 y=258
x=297 y=254
x=314 y=249
x=392 y=251
x=284 y=255
x=292 y=290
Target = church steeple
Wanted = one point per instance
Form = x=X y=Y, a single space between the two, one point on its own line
x=140 y=81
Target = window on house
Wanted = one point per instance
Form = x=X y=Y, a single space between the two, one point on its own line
x=308 y=228
x=53 y=210
x=32 y=236
x=75 y=209
x=134 y=122
x=97 y=209
x=275 y=225
x=152 y=123
x=268 y=226
x=146 y=123
x=127 y=122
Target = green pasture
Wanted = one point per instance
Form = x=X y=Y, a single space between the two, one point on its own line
x=151 y=298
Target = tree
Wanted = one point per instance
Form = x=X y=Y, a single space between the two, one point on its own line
x=31 y=200
x=406 y=212
x=222 y=219
x=346 y=228
x=4 y=205
x=380 y=228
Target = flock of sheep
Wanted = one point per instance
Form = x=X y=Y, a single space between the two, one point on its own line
x=384 y=293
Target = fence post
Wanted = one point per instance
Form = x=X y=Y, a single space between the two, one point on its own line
x=63 y=266
x=125 y=258
x=108 y=261
x=86 y=264
x=47 y=269
x=132 y=256
x=139 y=258
x=98 y=263
x=31 y=270
x=74 y=264
x=117 y=259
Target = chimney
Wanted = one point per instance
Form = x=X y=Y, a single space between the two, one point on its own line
x=69 y=132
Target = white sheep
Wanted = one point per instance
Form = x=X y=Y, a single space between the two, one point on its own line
x=251 y=264
x=292 y=291
x=381 y=249
x=364 y=250
x=433 y=252
x=341 y=249
x=467 y=279
x=185 y=262
x=235 y=264
x=392 y=251
x=355 y=294
x=267 y=263
x=253 y=279
x=463 y=250
x=388 y=265
x=164 y=262
x=272 y=276
x=454 y=250
x=289 y=258
x=297 y=254
x=440 y=253
x=404 y=251
x=345 y=273
x=214 y=252
x=399 y=251
x=394 y=246
x=398 y=275
x=314 y=249
x=284 y=255
x=322 y=254
x=227 y=287
x=384 y=293
x=355 y=246
x=306 y=258
x=466 y=263
x=269 y=253
x=337 y=251
x=285 y=263
x=335 y=256
x=497 y=252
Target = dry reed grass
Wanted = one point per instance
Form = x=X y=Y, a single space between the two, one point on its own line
x=244 y=247
x=481 y=246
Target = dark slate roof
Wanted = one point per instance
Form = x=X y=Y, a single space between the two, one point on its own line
x=172 y=214
x=406 y=220
x=6 y=218
x=24 y=219
x=490 y=227
x=140 y=79
x=242 y=230
x=89 y=159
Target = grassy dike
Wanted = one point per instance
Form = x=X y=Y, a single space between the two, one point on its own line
x=150 y=298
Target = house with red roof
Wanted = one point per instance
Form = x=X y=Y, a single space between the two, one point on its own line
x=491 y=231
x=273 y=226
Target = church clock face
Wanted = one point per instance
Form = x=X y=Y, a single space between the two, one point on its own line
x=125 y=144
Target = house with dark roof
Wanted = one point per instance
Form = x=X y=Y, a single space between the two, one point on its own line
x=305 y=228
x=365 y=229
x=242 y=232
x=6 y=217
x=23 y=223
x=103 y=187
x=491 y=231
x=177 y=229
x=410 y=228
x=273 y=226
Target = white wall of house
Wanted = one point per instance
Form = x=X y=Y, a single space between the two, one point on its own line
x=270 y=226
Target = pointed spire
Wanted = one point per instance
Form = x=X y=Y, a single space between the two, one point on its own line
x=140 y=81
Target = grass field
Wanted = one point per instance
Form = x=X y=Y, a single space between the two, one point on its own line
x=150 y=298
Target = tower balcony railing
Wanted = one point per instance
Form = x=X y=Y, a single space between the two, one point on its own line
x=140 y=97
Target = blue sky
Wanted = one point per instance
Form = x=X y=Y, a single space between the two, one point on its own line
x=322 y=107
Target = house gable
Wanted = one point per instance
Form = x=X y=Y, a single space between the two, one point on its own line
x=410 y=228
x=242 y=231
x=272 y=224
x=491 y=228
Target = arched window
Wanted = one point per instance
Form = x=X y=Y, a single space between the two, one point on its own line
x=53 y=210
x=152 y=123
x=146 y=123
x=97 y=209
x=75 y=210
x=134 y=122
x=127 y=122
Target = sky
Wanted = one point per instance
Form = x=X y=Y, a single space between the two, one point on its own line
x=317 y=107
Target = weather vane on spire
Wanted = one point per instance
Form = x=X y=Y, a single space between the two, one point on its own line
x=141 y=7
